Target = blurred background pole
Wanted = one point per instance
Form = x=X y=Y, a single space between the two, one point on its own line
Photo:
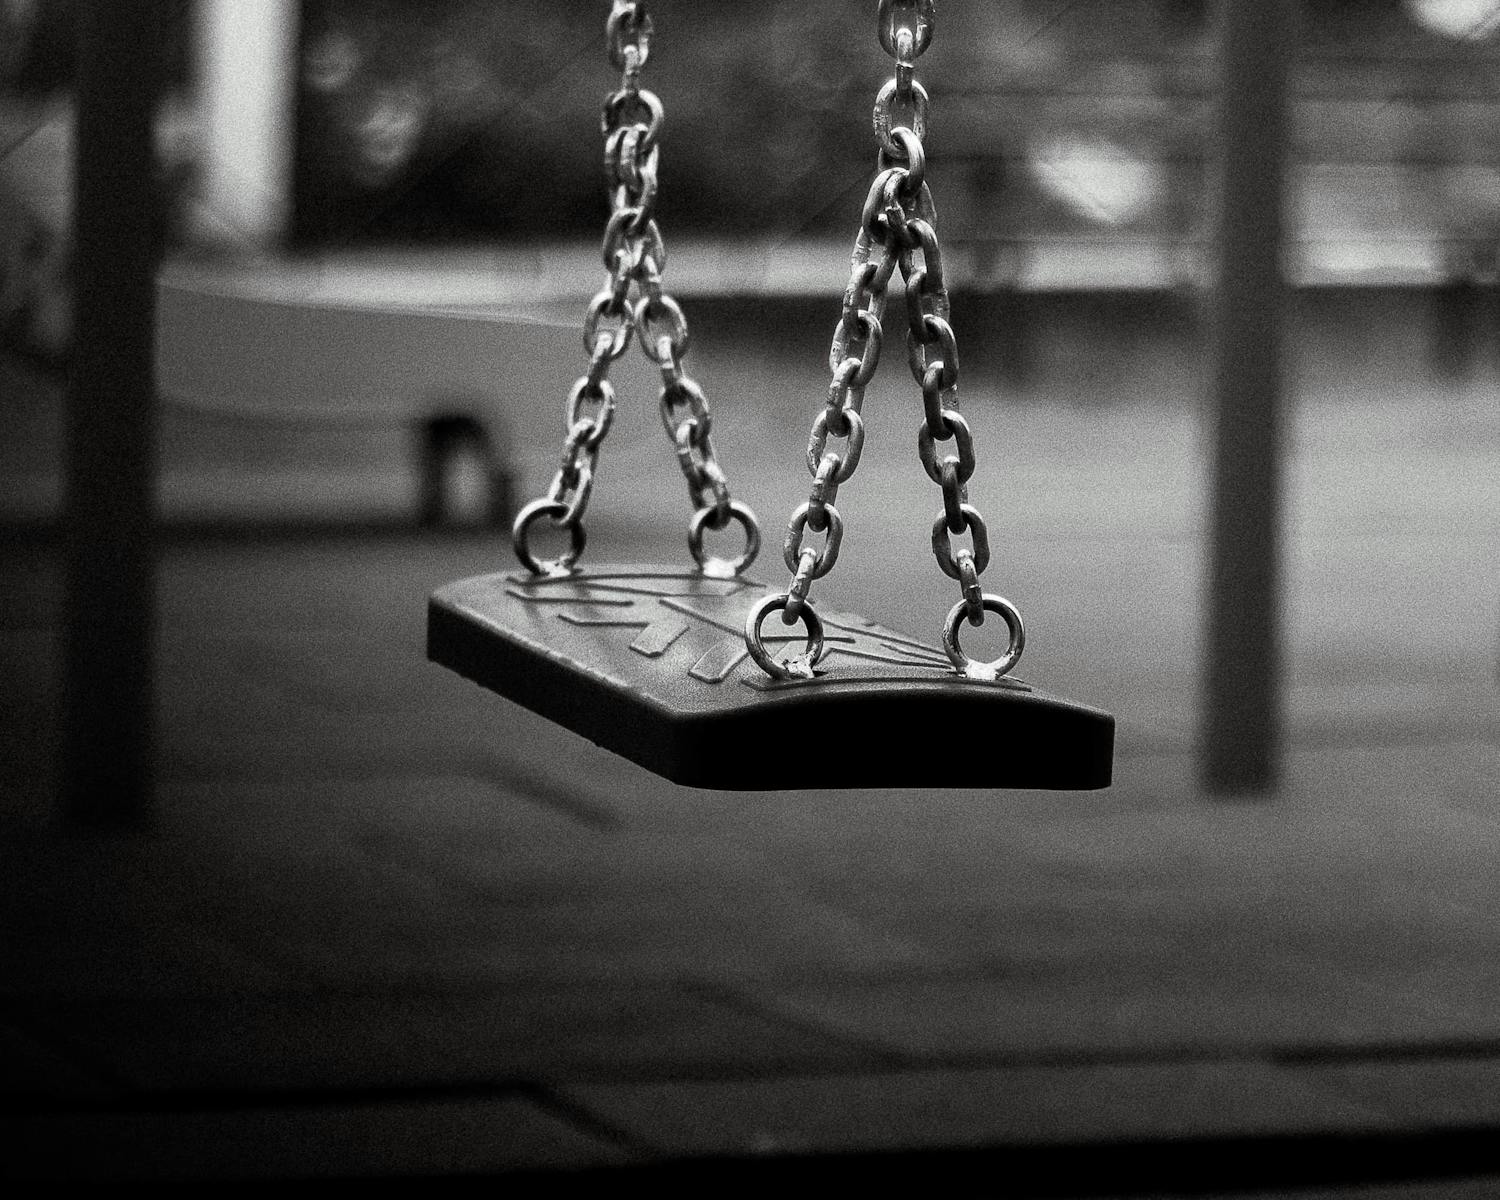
x=1241 y=723
x=108 y=697
x=246 y=53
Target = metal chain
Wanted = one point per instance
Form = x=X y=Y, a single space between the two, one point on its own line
x=633 y=304
x=900 y=221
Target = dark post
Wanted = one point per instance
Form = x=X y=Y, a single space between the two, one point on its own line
x=108 y=697
x=1241 y=724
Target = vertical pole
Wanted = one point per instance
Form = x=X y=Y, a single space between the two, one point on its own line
x=107 y=695
x=1241 y=722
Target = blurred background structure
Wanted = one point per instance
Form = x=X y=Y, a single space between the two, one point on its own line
x=1073 y=137
x=463 y=940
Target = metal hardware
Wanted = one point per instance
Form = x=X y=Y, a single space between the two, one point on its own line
x=634 y=306
x=557 y=511
x=798 y=666
x=987 y=671
x=897 y=231
x=722 y=568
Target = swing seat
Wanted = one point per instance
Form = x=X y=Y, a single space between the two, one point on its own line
x=650 y=663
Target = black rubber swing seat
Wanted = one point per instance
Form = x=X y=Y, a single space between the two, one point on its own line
x=650 y=662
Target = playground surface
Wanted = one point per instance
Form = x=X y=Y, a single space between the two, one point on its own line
x=387 y=923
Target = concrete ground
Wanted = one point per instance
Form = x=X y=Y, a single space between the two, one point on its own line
x=390 y=924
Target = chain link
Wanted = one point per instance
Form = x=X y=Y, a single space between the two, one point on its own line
x=898 y=231
x=634 y=306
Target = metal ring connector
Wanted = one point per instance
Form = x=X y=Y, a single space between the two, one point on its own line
x=955 y=427
x=635 y=188
x=603 y=305
x=932 y=396
x=791 y=550
x=724 y=568
x=708 y=488
x=841 y=386
x=623 y=229
x=612 y=116
x=988 y=671
x=894 y=111
x=628 y=27
x=942 y=547
x=817 y=444
x=602 y=394
x=628 y=166
x=582 y=488
x=801 y=666
x=937 y=333
x=521 y=537
x=955 y=496
x=915 y=158
x=647 y=307
x=825 y=491
x=968 y=578
x=872 y=221
x=888 y=22
x=933 y=280
x=801 y=585
x=684 y=393
x=867 y=333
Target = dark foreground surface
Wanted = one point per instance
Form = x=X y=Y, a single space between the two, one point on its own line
x=387 y=924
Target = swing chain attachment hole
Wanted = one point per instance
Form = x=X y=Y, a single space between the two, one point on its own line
x=723 y=568
x=557 y=511
x=987 y=672
x=797 y=666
